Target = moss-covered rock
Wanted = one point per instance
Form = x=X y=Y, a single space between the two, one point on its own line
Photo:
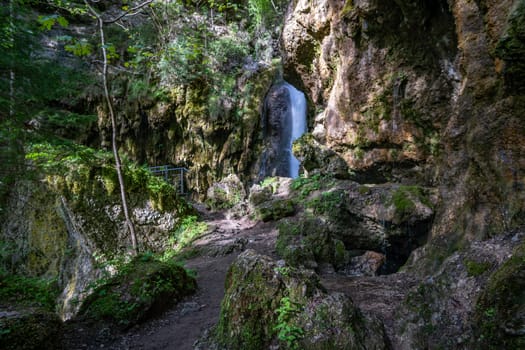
x=499 y=319
x=271 y=199
x=140 y=289
x=226 y=193
x=268 y=303
x=30 y=329
x=474 y=300
x=316 y=158
x=307 y=242
x=275 y=209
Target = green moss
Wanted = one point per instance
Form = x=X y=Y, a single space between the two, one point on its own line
x=327 y=202
x=500 y=309
x=256 y=305
x=271 y=182
x=306 y=185
x=363 y=190
x=403 y=200
x=29 y=330
x=475 y=268
x=140 y=287
x=306 y=241
x=290 y=245
x=275 y=209
x=347 y=8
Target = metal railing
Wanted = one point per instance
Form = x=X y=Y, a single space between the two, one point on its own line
x=169 y=172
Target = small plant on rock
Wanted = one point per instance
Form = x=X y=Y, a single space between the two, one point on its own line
x=289 y=333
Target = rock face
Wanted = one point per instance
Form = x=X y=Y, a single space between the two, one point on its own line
x=425 y=92
x=268 y=303
x=185 y=131
x=277 y=126
x=474 y=300
x=340 y=220
x=63 y=226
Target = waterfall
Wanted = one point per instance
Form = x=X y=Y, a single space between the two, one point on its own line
x=284 y=121
x=298 y=114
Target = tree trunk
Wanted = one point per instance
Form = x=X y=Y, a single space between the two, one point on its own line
x=118 y=163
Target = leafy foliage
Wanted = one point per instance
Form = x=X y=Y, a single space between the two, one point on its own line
x=288 y=332
x=28 y=291
x=261 y=11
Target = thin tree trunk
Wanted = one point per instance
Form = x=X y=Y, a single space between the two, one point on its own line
x=118 y=163
x=11 y=70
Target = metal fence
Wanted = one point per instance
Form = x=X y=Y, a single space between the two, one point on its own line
x=171 y=174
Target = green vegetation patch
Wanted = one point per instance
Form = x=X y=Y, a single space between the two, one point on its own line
x=475 y=268
x=79 y=171
x=327 y=202
x=141 y=288
x=189 y=230
x=288 y=332
x=28 y=291
x=403 y=200
x=304 y=186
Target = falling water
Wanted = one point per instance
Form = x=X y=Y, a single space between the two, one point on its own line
x=298 y=112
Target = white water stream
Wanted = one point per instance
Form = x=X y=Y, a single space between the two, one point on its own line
x=298 y=109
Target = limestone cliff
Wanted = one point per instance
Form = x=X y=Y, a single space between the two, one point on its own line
x=421 y=92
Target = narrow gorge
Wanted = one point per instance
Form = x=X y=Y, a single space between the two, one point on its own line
x=312 y=174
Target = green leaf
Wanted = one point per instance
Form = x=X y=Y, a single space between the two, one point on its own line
x=47 y=22
x=80 y=48
x=62 y=22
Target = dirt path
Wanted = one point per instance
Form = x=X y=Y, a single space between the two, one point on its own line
x=182 y=326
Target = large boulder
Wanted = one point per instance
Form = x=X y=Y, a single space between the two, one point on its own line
x=268 y=303
x=271 y=199
x=141 y=289
x=226 y=193
x=316 y=158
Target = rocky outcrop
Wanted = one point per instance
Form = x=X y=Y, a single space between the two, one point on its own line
x=268 y=303
x=69 y=225
x=424 y=92
x=474 y=300
x=271 y=199
x=277 y=130
x=340 y=220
